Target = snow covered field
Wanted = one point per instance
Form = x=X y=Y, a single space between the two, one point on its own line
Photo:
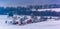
x=39 y=25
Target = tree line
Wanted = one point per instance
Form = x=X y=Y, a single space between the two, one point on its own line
x=28 y=10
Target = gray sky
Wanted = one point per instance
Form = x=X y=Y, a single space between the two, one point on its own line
x=27 y=2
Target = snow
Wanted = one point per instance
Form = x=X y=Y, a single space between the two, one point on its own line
x=40 y=25
x=52 y=9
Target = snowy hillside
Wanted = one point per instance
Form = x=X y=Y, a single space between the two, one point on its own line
x=39 y=25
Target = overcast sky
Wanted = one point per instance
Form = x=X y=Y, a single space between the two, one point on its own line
x=27 y=2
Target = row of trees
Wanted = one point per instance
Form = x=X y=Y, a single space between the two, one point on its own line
x=28 y=10
x=13 y=10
